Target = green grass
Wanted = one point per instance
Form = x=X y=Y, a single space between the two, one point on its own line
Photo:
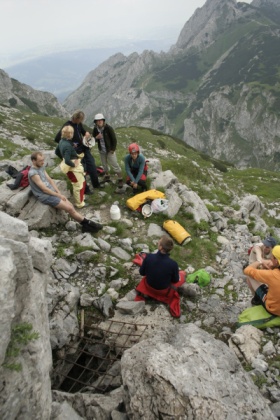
x=21 y=335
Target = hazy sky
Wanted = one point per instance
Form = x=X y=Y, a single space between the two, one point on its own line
x=49 y=24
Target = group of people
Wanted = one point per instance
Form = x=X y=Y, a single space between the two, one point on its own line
x=162 y=277
x=74 y=148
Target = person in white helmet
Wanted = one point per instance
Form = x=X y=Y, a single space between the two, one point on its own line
x=106 y=140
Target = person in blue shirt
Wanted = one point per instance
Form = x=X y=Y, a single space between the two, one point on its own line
x=136 y=168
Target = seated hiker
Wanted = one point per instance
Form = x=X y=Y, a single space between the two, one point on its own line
x=136 y=168
x=162 y=277
x=265 y=284
x=46 y=191
x=261 y=252
x=71 y=165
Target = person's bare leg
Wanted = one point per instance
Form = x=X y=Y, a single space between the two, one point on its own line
x=253 y=284
x=69 y=208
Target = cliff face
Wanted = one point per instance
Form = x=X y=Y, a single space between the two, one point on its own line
x=18 y=95
x=227 y=52
x=25 y=380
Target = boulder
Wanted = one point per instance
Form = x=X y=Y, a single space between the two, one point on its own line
x=183 y=373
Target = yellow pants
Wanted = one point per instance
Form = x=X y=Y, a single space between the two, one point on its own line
x=77 y=178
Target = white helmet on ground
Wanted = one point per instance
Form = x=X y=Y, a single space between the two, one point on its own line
x=98 y=117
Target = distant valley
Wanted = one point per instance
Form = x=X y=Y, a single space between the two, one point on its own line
x=62 y=72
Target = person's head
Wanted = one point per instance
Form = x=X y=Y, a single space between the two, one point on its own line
x=78 y=117
x=276 y=256
x=165 y=244
x=37 y=159
x=99 y=120
x=134 y=150
x=268 y=244
x=67 y=132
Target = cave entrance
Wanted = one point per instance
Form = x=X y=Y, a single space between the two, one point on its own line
x=92 y=362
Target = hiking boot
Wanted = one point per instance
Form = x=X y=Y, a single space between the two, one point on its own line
x=82 y=207
x=106 y=178
x=256 y=300
x=91 y=226
x=120 y=183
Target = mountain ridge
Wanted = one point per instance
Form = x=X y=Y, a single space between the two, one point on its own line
x=169 y=91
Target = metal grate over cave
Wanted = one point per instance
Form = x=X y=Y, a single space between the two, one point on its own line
x=92 y=362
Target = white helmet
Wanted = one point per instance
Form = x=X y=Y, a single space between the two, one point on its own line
x=98 y=117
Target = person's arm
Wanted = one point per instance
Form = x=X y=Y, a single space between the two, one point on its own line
x=263 y=276
x=175 y=274
x=141 y=168
x=113 y=139
x=66 y=154
x=258 y=253
x=142 y=269
x=127 y=168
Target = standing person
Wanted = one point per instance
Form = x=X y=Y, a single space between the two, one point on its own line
x=265 y=284
x=46 y=191
x=71 y=165
x=261 y=252
x=80 y=146
x=106 y=140
x=136 y=168
x=162 y=277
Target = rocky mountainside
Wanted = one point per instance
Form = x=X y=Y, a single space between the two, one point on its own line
x=57 y=281
x=14 y=94
x=217 y=88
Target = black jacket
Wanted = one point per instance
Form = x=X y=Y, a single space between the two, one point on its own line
x=109 y=136
x=77 y=140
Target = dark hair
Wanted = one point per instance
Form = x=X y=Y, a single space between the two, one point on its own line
x=78 y=115
x=166 y=243
x=35 y=155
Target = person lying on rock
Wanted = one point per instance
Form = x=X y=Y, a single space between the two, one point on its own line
x=261 y=252
x=45 y=190
x=265 y=284
x=136 y=168
x=161 y=277
x=71 y=165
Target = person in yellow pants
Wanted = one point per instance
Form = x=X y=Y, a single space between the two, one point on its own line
x=71 y=165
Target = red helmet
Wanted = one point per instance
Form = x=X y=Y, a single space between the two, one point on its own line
x=133 y=147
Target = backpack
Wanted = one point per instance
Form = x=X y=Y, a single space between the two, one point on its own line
x=250 y=249
x=139 y=258
x=202 y=277
x=258 y=317
x=21 y=179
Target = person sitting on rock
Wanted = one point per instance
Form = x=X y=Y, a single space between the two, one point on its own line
x=265 y=284
x=261 y=252
x=136 y=168
x=71 y=165
x=162 y=277
x=45 y=190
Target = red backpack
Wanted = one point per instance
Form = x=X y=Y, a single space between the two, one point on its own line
x=24 y=182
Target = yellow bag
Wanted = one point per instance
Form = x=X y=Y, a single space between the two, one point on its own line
x=137 y=200
x=177 y=231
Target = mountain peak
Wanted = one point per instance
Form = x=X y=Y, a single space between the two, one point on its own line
x=215 y=16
